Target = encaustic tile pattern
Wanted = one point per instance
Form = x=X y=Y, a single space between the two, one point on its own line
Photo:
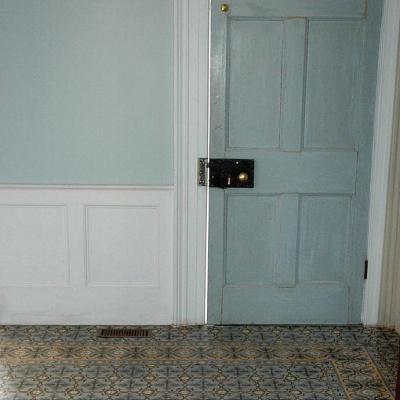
x=199 y=363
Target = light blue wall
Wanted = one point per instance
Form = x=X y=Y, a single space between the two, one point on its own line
x=86 y=91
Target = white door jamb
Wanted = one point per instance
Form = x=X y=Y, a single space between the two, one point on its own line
x=383 y=129
x=191 y=142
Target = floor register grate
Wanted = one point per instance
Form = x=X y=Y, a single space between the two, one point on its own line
x=123 y=333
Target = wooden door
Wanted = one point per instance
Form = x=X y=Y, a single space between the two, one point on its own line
x=292 y=87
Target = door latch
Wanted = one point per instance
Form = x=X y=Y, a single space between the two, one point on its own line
x=226 y=173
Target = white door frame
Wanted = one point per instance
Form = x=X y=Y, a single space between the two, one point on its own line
x=383 y=130
x=191 y=142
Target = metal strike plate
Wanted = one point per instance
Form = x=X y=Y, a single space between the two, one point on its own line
x=226 y=173
x=202 y=171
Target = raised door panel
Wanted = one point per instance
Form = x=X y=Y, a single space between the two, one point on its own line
x=333 y=84
x=261 y=240
x=324 y=238
x=254 y=92
x=252 y=223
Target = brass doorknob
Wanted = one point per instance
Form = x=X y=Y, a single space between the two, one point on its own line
x=224 y=7
x=243 y=177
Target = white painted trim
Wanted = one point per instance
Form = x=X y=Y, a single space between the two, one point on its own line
x=191 y=124
x=389 y=308
x=20 y=186
x=385 y=96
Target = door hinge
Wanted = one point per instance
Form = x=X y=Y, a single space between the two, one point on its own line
x=366 y=269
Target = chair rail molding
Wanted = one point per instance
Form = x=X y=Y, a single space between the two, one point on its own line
x=191 y=142
x=383 y=130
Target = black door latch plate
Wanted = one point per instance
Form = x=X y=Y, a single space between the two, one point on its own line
x=226 y=173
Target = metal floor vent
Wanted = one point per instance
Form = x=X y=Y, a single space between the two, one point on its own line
x=123 y=333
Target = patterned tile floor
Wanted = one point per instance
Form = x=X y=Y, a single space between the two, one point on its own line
x=198 y=363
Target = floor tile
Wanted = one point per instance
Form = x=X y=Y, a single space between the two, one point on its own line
x=199 y=363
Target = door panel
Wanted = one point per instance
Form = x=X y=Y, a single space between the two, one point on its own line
x=254 y=93
x=333 y=67
x=292 y=87
x=250 y=239
x=323 y=238
x=304 y=303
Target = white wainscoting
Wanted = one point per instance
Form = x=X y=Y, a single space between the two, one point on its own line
x=86 y=255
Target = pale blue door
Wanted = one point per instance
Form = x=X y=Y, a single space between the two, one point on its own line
x=292 y=87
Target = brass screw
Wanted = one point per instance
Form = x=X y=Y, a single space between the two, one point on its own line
x=224 y=7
